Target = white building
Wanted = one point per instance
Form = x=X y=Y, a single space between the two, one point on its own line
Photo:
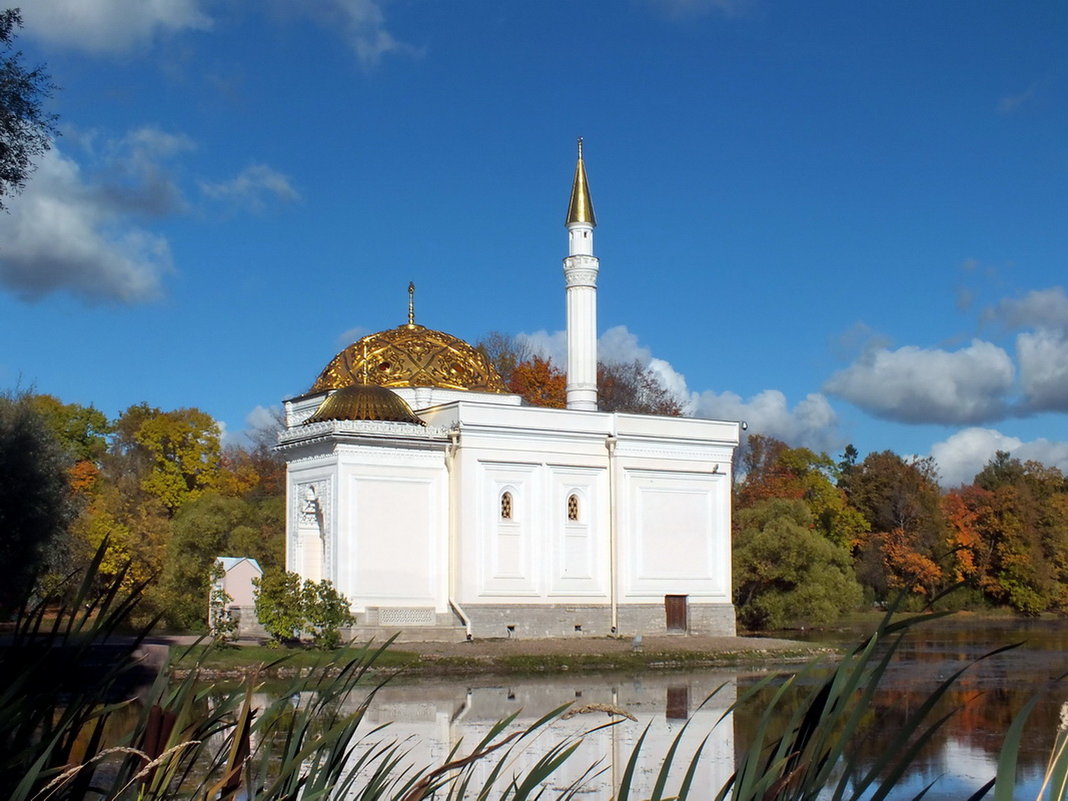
x=476 y=511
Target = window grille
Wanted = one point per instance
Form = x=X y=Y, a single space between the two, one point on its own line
x=506 y=506
x=572 y=507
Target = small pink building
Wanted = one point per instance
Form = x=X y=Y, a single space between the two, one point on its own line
x=236 y=575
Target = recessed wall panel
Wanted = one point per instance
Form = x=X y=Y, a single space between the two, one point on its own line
x=393 y=553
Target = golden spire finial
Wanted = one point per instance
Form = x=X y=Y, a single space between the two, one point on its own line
x=580 y=209
x=411 y=303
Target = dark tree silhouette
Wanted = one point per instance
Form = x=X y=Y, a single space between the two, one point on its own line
x=26 y=129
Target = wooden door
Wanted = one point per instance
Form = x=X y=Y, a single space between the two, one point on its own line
x=675 y=609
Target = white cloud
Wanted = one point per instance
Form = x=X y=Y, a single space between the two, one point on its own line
x=916 y=385
x=110 y=26
x=65 y=234
x=252 y=188
x=263 y=417
x=546 y=346
x=1042 y=352
x=1040 y=308
x=1043 y=360
x=965 y=453
x=812 y=423
x=362 y=24
x=618 y=345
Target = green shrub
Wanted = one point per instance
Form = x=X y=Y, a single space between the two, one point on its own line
x=288 y=609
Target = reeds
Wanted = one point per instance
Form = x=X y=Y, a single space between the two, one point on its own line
x=68 y=730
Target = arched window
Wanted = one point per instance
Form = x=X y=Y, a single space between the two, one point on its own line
x=506 y=506
x=572 y=507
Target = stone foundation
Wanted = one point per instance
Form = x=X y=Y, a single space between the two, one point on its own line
x=574 y=620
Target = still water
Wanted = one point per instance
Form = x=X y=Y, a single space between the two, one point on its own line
x=430 y=717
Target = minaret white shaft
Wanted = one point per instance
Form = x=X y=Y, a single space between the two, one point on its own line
x=580 y=277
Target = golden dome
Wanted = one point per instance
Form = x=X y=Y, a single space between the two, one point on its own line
x=364 y=402
x=411 y=356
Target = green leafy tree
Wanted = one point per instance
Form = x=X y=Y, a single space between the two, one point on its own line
x=82 y=430
x=287 y=608
x=26 y=129
x=772 y=469
x=207 y=527
x=35 y=500
x=326 y=611
x=785 y=573
x=280 y=604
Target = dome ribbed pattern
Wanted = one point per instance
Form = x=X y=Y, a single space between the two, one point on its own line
x=411 y=356
x=364 y=402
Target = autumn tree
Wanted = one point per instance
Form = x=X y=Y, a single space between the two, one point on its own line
x=630 y=387
x=175 y=454
x=83 y=433
x=621 y=386
x=540 y=383
x=773 y=470
x=26 y=129
x=156 y=461
x=504 y=352
x=901 y=502
x=1011 y=529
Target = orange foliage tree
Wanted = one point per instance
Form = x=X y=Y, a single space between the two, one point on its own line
x=540 y=383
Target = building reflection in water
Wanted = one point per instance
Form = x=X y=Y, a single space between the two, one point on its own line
x=431 y=719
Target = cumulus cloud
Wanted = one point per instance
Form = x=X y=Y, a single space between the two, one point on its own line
x=917 y=385
x=545 y=345
x=964 y=454
x=110 y=26
x=1040 y=308
x=1041 y=351
x=811 y=423
x=1043 y=360
x=66 y=234
x=252 y=188
x=618 y=345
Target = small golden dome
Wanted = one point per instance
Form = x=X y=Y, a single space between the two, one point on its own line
x=364 y=402
x=411 y=356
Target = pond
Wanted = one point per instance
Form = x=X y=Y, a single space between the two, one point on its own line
x=431 y=717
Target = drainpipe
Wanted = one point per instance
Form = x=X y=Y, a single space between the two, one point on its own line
x=610 y=444
x=454 y=556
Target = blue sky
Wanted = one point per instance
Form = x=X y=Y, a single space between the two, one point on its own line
x=841 y=222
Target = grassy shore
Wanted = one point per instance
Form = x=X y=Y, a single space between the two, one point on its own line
x=508 y=657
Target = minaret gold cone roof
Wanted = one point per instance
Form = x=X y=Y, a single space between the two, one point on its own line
x=580 y=209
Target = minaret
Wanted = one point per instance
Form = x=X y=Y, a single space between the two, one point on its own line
x=580 y=277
